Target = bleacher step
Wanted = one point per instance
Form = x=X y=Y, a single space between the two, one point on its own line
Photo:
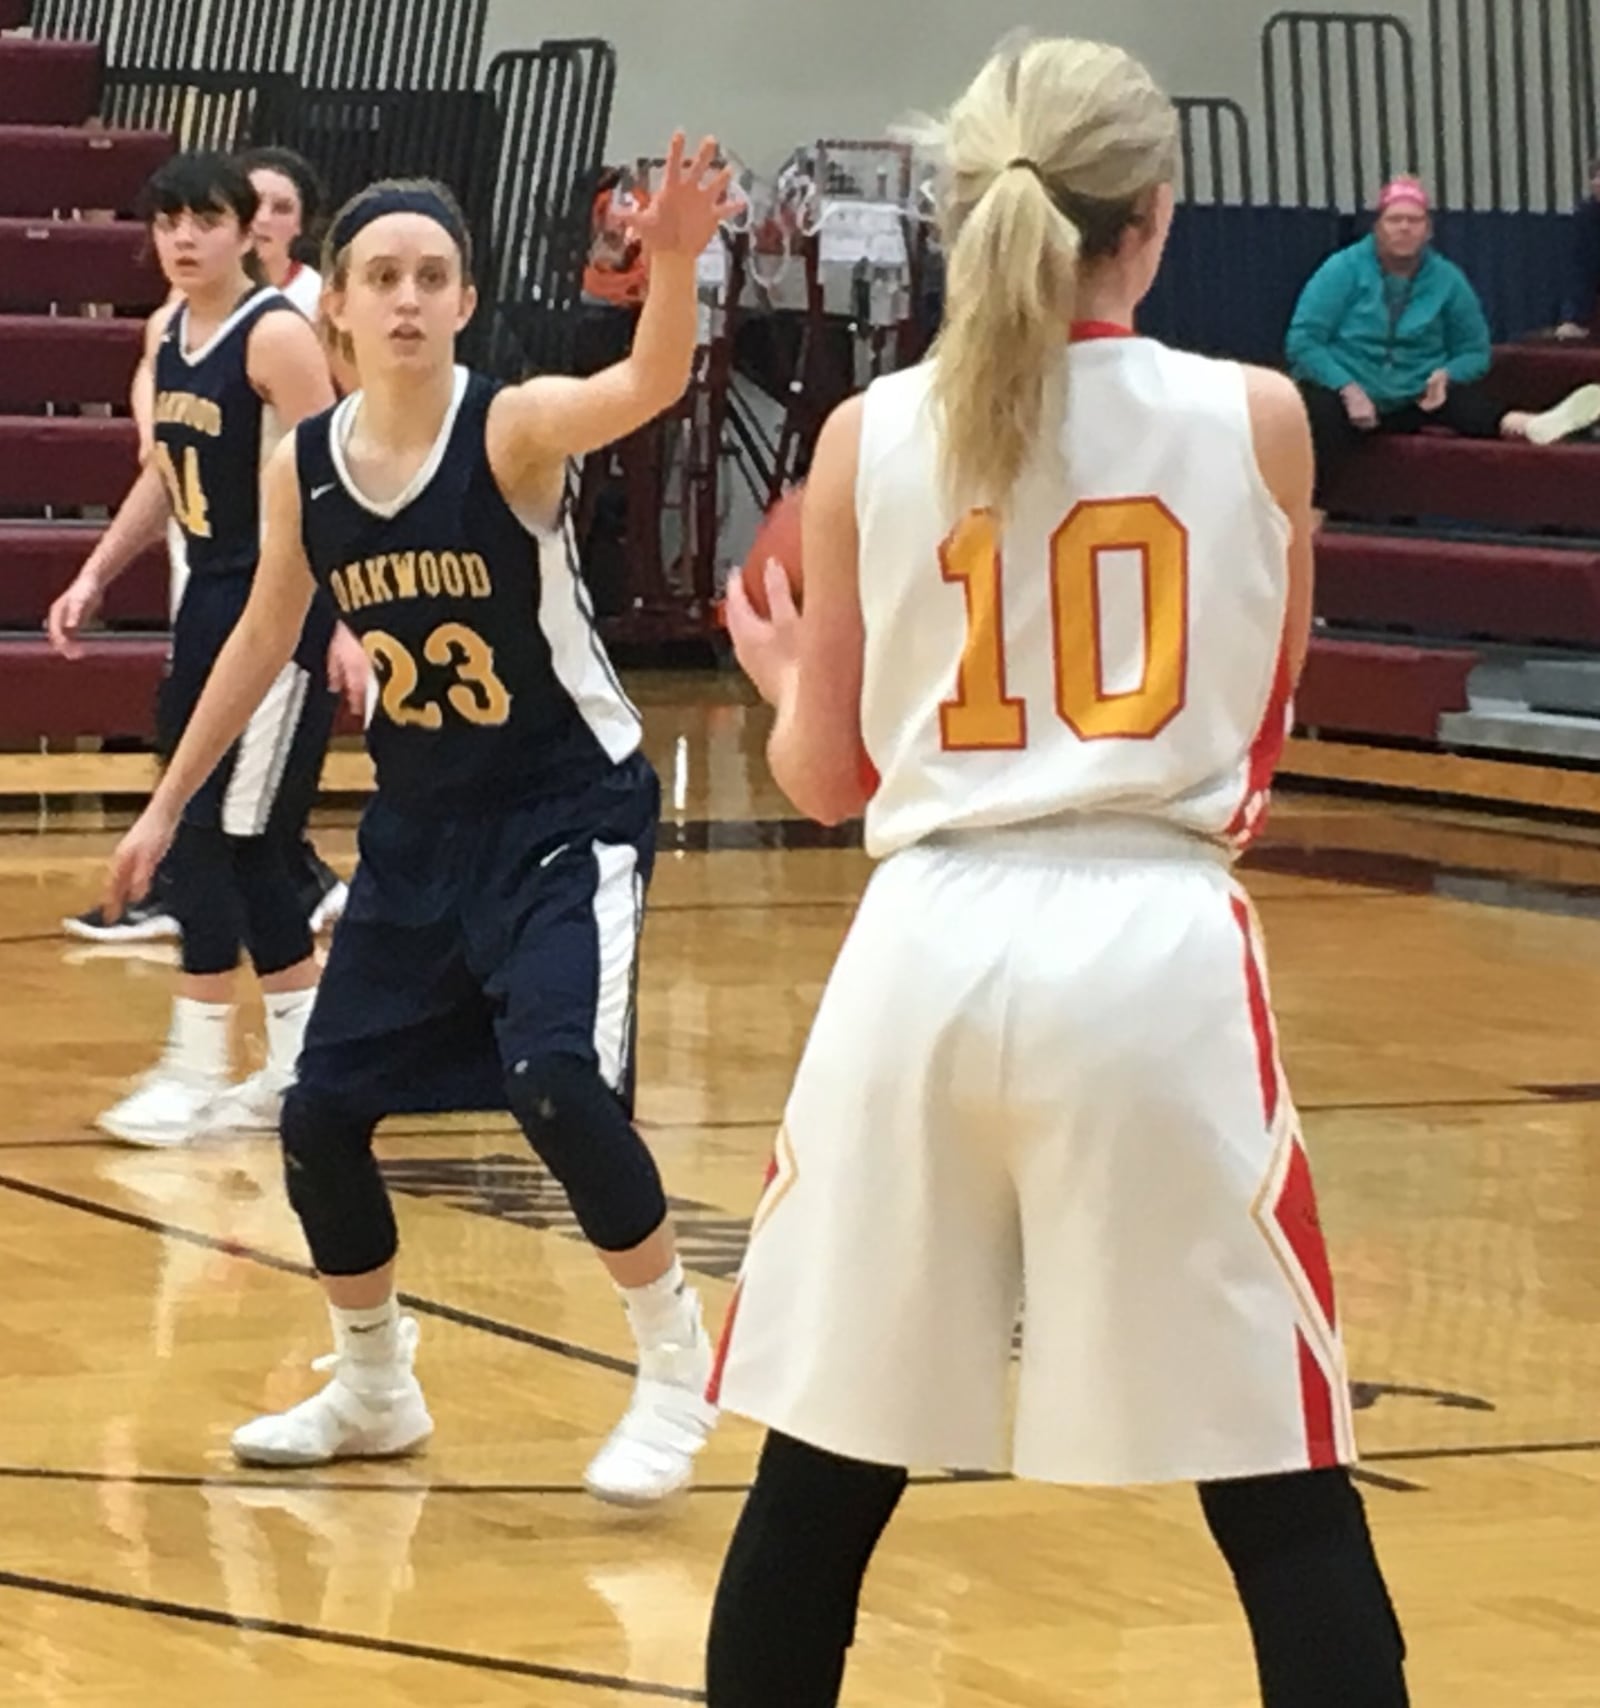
x=1563 y=685
x=1511 y=728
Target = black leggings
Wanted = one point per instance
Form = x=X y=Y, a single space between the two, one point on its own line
x=1467 y=409
x=1325 y=1632
x=236 y=892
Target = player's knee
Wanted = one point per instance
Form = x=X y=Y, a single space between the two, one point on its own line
x=276 y=930
x=1257 y=1519
x=578 y=1127
x=807 y=1536
x=205 y=900
x=334 y=1185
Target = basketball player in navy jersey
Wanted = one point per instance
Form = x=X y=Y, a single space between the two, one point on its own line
x=291 y=202
x=487 y=956
x=234 y=364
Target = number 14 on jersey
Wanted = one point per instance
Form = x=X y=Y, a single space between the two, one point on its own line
x=982 y=715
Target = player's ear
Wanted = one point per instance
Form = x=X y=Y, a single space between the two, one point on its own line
x=469 y=305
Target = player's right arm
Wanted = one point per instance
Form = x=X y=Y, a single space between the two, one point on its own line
x=262 y=642
x=139 y=523
x=142 y=393
x=1282 y=435
x=536 y=427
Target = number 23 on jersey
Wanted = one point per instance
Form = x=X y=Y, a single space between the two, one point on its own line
x=475 y=693
x=982 y=715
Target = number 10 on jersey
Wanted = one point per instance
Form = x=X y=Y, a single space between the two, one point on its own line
x=982 y=715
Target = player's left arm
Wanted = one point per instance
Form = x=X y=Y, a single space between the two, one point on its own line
x=537 y=427
x=288 y=368
x=815 y=750
x=1282 y=434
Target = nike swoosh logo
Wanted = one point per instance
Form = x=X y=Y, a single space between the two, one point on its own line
x=554 y=855
x=321 y=491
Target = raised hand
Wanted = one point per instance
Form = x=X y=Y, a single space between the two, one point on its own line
x=682 y=215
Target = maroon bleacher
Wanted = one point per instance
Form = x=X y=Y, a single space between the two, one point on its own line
x=14 y=13
x=1495 y=481
x=39 y=559
x=110 y=692
x=1535 y=376
x=1527 y=595
x=57 y=353
x=46 y=169
x=49 y=83
x=66 y=359
x=73 y=262
x=65 y=461
x=1357 y=688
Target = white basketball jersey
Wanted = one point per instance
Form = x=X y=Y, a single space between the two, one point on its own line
x=1118 y=649
x=303 y=288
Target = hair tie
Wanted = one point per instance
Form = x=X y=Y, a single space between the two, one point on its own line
x=427 y=202
x=1024 y=164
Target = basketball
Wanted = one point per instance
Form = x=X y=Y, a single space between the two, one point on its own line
x=778 y=538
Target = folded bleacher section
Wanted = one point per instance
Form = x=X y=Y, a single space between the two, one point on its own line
x=76 y=278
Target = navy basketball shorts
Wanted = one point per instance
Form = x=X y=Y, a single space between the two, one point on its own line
x=283 y=746
x=472 y=943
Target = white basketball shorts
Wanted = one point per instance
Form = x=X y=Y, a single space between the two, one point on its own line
x=1044 y=1075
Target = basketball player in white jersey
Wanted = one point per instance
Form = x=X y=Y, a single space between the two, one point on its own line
x=1058 y=583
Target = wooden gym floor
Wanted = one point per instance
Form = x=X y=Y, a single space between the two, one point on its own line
x=1438 y=981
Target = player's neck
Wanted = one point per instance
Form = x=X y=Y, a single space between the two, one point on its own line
x=403 y=411
x=1108 y=302
x=210 y=305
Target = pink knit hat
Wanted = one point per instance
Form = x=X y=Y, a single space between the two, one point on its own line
x=1404 y=189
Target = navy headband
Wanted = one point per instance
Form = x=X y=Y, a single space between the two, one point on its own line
x=353 y=221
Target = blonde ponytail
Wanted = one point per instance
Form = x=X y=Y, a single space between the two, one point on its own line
x=1049 y=158
x=1010 y=283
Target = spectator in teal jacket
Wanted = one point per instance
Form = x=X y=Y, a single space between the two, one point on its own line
x=1389 y=337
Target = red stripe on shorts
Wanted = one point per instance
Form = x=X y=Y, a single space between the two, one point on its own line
x=725 y=1344
x=1260 y=1014
x=1296 y=1214
x=1316 y=1399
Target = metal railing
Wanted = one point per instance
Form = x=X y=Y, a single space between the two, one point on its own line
x=390 y=44
x=1513 y=92
x=553 y=116
x=1340 y=90
x=1215 y=151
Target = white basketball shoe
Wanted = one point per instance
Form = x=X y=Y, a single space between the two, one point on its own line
x=651 y=1453
x=370 y=1410
x=166 y=1107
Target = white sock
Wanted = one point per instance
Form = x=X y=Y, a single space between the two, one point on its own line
x=287 y=1014
x=370 y=1337
x=200 y=1042
x=663 y=1311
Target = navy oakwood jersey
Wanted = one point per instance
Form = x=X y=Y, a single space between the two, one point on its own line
x=493 y=685
x=210 y=422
